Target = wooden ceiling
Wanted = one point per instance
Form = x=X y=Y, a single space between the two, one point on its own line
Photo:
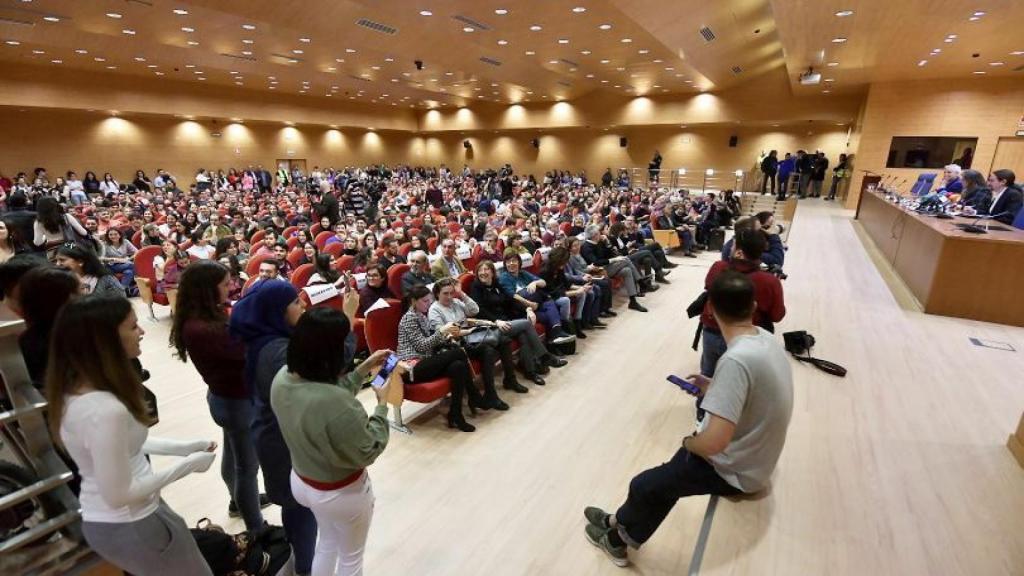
x=506 y=50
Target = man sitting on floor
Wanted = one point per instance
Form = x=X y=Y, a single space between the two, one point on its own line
x=749 y=403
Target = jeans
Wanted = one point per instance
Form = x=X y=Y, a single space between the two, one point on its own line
x=712 y=350
x=239 y=465
x=548 y=312
x=126 y=270
x=832 y=188
x=581 y=303
x=564 y=308
x=654 y=492
x=343 y=516
x=78 y=198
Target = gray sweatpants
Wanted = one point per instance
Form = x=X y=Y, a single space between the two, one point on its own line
x=158 y=545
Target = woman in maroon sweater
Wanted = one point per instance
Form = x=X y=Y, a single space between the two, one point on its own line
x=200 y=330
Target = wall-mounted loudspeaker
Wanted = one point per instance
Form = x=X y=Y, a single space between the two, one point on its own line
x=535 y=143
x=623 y=142
x=466 y=144
x=733 y=141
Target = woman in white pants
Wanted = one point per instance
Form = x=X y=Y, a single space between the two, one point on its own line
x=330 y=436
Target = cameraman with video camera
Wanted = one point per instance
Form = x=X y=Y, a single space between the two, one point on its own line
x=774 y=255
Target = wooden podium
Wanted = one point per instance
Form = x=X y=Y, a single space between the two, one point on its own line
x=1016 y=442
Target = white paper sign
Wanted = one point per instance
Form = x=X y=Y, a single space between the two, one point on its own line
x=463 y=252
x=321 y=292
x=380 y=304
x=360 y=280
x=527 y=261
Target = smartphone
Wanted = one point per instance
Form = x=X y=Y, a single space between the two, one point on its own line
x=686 y=386
x=385 y=371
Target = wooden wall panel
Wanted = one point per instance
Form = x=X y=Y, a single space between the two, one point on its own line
x=987 y=109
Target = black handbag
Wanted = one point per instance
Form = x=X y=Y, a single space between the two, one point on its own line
x=800 y=342
x=482 y=336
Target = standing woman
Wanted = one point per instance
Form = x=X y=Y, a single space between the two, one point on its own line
x=263 y=320
x=200 y=330
x=53 y=227
x=331 y=438
x=7 y=244
x=98 y=413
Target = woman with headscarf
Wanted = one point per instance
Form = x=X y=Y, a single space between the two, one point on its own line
x=263 y=320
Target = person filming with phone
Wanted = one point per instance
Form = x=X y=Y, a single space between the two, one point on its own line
x=331 y=438
x=749 y=404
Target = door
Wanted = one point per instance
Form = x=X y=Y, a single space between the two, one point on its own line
x=289 y=165
x=1010 y=154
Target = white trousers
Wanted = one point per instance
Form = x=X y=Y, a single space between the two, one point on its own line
x=343 y=519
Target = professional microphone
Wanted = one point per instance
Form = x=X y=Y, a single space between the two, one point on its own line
x=973 y=227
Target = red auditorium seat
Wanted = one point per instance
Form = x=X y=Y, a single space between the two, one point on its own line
x=301 y=275
x=344 y=264
x=257 y=237
x=334 y=249
x=395 y=274
x=321 y=239
x=294 y=257
x=145 y=278
x=252 y=267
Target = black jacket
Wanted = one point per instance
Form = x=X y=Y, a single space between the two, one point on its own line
x=597 y=254
x=1007 y=207
x=770 y=165
x=495 y=303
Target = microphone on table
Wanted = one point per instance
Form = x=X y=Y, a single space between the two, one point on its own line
x=973 y=227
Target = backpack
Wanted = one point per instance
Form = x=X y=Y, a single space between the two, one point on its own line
x=242 y=554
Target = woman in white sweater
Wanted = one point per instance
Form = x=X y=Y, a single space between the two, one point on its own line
x=98 y=413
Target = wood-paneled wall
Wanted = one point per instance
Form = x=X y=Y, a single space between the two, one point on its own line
x=78 y=140
x=987 y=109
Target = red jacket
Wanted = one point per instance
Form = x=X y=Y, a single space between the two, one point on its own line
x=770 y=306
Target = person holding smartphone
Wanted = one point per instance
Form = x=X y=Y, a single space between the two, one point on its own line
x=331 y=438
x=749 y=405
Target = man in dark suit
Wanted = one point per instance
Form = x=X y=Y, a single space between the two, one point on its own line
x=1007 y=199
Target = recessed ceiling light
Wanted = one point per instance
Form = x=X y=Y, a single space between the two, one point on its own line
x=159 y=73
x=979 y=72
x=180 y=11
x=297 y=51
x=590 y=75
x=657 y=60
x=832 y=64
x=953 y=36
x=604 y=81
x=426 y=13
x=605 y=26
x=530 y=52
x=826 y=91
x=621 y=68
x=838 y=40
x=201 y=79
x=830 y=79
x=198 y=72
x=502 y=42
x=552 y=61
x=247 y=41
x=605 y=61
x=193 y=43
x=57 y=61
x=350 y=50
x=248 y=26
x=627 y=40
x=128 y=31
x=12 y=43
x=246 y=52
x=937 y=51
x=670 y=68
x=305 y=40
x=1017 y=53
x=293 y=61
x=974 y=19
x=536 y=28
x=114 y=15
x=467 y=29
x=844 y=13
x=38 y=52
x=978 y=14
x=995 y=63
x=949 y=40
x=187 y=29
x=501 y=11
x=563 y=40
x=99 y=59
x=190 y=66
x=643 y=51
x=585 y=52
x=140 y=59
x=389 y=59
x=81 y=51
x=152 y=66
x=52 y=19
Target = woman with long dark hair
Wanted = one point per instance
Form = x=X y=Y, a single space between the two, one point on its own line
x=263 y=320
x=118 y=254
x=331 y=438
x=53 y=227
x=43 y=291
x=94 y=276
x=200 y=330
x=97 y=411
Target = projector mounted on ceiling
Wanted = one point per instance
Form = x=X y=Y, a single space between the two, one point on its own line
x=810 y=78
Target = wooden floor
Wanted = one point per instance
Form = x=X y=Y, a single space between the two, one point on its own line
x=900 y=468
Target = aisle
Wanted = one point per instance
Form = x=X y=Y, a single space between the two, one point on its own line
x=901 y=468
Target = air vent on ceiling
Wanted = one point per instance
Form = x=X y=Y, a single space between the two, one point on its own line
x=570 y=63
x=566 y=84
x=238 y=57
x=737 y=70
x=707 y=34
x=490 y=61
x=143 y=2
x=16 y=22
x=1019 y=68
x=360 y=78
x=471 y=22
x=377 y=26
x=287 y=57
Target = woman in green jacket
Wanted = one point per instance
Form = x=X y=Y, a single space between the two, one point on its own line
x=330 y=436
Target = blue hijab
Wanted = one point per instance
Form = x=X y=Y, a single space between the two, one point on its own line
x=258 y=318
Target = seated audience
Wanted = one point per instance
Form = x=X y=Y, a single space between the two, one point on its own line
x=94 y=277
x=578 y=269
x=448 y=264
x=118 y=253
x=750 y=402
x=528 y=290
x=375 y=289
x=434 y=354
x=599 y=256
x=418 y=273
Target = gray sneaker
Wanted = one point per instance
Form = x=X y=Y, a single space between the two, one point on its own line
x=597 y=517
x=599 y=537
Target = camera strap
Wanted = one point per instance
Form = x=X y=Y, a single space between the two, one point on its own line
x=823 y=365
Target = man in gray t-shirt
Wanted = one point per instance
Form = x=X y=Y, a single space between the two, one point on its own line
x=749 y=404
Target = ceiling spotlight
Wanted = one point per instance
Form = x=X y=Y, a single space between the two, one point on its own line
x=605 y=26
x=305 y=40
x=128 y=31
x=995 y=63
x=57 y=61
x=81 y=51
x=247 y=41
x=111 y=67
x=643 y=51
x=563 y=40
x=922 y=62
x=949 y=40
x=1017 y=53
x=180 y=12
x=297 y=51
x=12 y=42
x=467 y=29
x=605 y=61
x=140 y=59
x=552 y=61
x=248 y=27
x=979 y=72
x=627 y=40
x=502 y=42
x=536 y=28
x=350 y=50
x=52 y=19
x=530 y=52
x=978 y=14
x=38 y=52
x=246 y=52
x=193 y=43
x=844 y=13
x=113 y=15
x=187 y=29
x=98 y=59
x=585 y=52
x=974 y=19
x=838 y=40
x=832 y=64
